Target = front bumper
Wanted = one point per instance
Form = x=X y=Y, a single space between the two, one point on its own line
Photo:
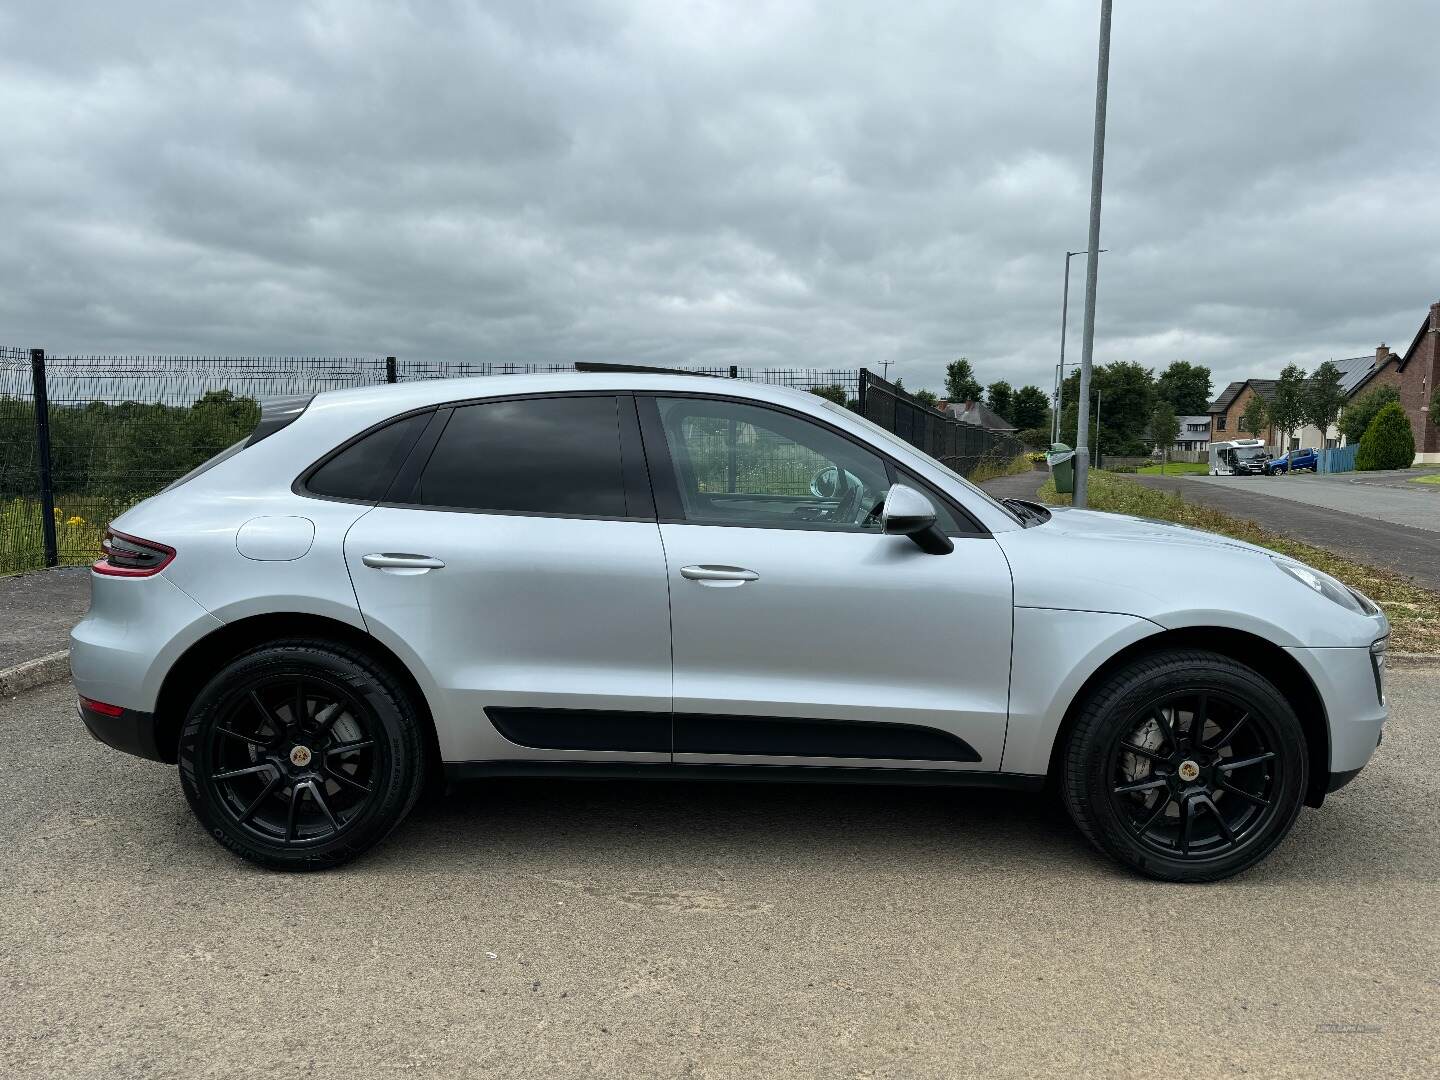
x=132 y=731
x=1355 y=710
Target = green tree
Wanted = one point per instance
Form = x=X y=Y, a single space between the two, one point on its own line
x=999 y=398
x=960 y=382
x=1388 y=443
x=1323 y=398
x=926 y=397
x=1287 y=407
x=1255 y=416
x=1037 y=438
x=1435 y=408
x=1186 y=387
x=1030 y=408
x=1125 y=393
x=830 y=393
x=1164 y=427
x=1358 y=414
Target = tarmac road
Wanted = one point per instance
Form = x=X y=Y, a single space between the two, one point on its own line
x=590 y=928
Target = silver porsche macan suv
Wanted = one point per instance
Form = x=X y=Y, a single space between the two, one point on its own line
x=635 y=574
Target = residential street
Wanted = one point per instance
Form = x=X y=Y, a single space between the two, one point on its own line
x=588 y=928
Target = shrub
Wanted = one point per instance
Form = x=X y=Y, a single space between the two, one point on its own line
x=1357 y=415
x=1388 y=442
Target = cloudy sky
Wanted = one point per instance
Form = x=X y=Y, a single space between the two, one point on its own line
x=825 y=184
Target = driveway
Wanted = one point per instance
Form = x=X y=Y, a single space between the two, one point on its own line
x=565 y=929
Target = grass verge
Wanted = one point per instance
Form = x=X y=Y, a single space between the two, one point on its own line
x=1428 y=478
x=1414 y=612
x=1175 y=468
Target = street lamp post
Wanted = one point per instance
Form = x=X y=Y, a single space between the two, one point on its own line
x=1092 y=264
x=1059 y=396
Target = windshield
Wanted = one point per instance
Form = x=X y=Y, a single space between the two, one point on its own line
x=1251 y=453
x=895 y=440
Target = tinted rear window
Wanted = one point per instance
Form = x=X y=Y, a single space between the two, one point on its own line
x=364 y=469
x=558 y=455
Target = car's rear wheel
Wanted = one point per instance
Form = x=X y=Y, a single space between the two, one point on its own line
x=1186 y=765
x=300 y=755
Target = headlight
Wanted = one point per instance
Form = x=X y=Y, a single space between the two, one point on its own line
x=1327 y=586
x=1377 y=664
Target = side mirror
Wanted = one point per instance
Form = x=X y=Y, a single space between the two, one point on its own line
x=909 y=513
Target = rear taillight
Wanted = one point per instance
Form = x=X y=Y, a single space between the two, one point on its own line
x=130 y=556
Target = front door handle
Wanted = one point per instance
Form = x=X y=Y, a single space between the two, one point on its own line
x=397 y=561
x=732 y=575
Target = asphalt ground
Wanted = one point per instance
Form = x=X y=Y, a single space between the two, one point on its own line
x=582 y=928
x=37 y=611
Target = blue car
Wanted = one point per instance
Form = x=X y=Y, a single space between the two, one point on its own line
x=1299 y=460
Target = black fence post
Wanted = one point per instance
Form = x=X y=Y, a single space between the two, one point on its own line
x=860 y=392
x=734 y=371
x=42 y=448
x=390 y=375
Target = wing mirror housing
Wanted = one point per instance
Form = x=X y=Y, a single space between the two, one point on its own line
x=909 y=513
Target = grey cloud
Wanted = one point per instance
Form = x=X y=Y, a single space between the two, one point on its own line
x=805 y=184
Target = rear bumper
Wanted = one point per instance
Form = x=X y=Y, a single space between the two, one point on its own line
x=132 y=731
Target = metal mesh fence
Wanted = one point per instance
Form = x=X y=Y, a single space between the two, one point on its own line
x=120 y=428
x=962 y=447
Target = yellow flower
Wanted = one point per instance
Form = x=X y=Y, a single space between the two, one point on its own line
x=75 y=520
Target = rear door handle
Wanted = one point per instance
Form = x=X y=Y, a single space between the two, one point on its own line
x=397 y=561
x=735 y=575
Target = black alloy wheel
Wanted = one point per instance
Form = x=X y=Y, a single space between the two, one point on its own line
x=293 y=759
x=301 y=755
x=1195 y=775
x=1186 y=765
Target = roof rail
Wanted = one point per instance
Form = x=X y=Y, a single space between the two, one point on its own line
x=638 y=369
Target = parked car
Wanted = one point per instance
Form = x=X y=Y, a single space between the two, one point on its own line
x=653 y=575
x=1296 y=460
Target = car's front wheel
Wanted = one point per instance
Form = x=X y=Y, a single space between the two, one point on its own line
x=1186 y=765
x=300 y=755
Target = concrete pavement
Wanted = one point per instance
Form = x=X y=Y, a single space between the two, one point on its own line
x=582 y=928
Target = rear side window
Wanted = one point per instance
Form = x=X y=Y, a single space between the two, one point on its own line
x=364 y=469
x=554 y=455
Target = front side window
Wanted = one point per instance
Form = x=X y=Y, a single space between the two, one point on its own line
x=549 y=455
x=739 y=464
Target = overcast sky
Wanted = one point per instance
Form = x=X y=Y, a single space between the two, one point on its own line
x=827 y=184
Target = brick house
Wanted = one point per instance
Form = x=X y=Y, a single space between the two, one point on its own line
x=1358 y=374
x=1415 y=375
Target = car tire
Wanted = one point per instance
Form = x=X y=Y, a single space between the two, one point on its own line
x=302 y=754
x=1185 y=765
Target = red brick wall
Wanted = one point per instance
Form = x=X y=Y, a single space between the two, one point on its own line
x=1417 y=386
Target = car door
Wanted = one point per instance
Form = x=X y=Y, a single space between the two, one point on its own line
x=516 y=563
x=801 y=633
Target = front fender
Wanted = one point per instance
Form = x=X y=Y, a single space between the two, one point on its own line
x=1055 y=653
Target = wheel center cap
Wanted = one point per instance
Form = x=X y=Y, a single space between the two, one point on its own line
x=1188 y=770
x=300 y=756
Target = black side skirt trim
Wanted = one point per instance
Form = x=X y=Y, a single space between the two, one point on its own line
x=699 y=733
x=818 y=774
x=799 y=737
x=583 y=729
